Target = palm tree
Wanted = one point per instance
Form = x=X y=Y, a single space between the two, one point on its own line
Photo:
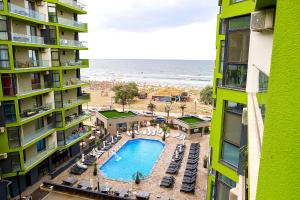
x=182 y=107
x=168 y=108
x=151 y=107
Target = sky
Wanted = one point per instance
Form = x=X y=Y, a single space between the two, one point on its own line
x=150 y=29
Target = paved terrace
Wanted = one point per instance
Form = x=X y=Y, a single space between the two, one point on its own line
x=151 y=184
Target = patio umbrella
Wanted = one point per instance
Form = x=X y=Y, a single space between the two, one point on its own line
x=137 y=177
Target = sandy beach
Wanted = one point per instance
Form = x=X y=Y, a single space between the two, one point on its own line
x=102 y=97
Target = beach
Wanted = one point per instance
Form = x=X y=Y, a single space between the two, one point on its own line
x=103 y=97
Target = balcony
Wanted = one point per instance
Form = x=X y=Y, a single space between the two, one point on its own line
x=26 y=139
x=32 y=64
x=74 y=102
x=31 y=113
x=72 y=63
x=74 y=119
x=25 y=12
x=73 y=43
x=37 y=87
x=74 y=4
x=75 y=82
x=72 y=23
x=39 y=156
x=82 y=131
x=28 y=39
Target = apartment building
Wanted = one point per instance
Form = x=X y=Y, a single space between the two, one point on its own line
x=256 y=47
x=41 y=93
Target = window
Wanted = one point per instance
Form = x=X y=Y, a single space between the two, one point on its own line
x=230 y=154
x=234 y=107
x=52 y=12
x=263 y=82
x=3 y=27
x=223 y=186
x=4 y=57
x=236 y=1
x=1 y=5
x=41 y=145
x=239 y=23
x=58 y=99
x=222 y=28
x=13 y=134
x=238 y=47
x=35 y=81
x=236 y=76
x=8 y=84
x=222 y=56
x=55 y=57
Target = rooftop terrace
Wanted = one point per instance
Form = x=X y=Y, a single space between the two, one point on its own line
x=116 y=114
x=190 y=119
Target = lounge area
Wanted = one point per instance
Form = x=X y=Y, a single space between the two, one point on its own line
x=159 y=185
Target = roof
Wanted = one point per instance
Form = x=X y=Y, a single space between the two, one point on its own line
x=190 y=119
x=168 y=92
x=116 y=114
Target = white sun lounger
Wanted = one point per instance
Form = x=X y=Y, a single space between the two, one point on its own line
x=79 y=164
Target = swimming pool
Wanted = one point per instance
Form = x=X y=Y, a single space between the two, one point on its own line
x=135 y=155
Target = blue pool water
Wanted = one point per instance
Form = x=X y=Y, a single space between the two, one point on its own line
x=135 y=155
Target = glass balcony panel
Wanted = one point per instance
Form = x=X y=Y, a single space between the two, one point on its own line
x=77 y=134
x=74 y=3
x=35 y=87
x=73 y=119
x=72 y=43
x=32 y=64
x=263 y=82
x=70 y=63
x=35 y=158
x=72 y=23
x=26 y=12
x=30 y=39
x=28 y=113
x=38 y=133
x=3 y=36
x=74 y=81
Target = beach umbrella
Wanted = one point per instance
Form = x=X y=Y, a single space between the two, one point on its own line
x=112 y=139
x=137 y=177
x=82 y=157
x=103 y=143
x=176 y=154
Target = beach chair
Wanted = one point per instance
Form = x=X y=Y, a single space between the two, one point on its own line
x=128 y=133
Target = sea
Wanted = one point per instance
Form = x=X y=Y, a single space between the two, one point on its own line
x=178 y=73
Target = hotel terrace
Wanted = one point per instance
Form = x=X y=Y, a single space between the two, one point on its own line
x=40 y=90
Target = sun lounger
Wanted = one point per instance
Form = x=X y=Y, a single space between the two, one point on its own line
x=122 y=192
x=85 y=185
x=89 y=160
x=105 y=188
x=189 y=180
x=77 y=170
x=128 y=133
x=81 y=165
x=192 y=166
x=187 y=188
x=190 y=173
x=142 y=195
x=192 y=161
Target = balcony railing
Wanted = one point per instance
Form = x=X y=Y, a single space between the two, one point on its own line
x=29 y=39
x=71 y=102
x=74 y=3
x=34 y=88
x=72 y=43
x=73 y=119
x=71 y=63
x=74 y=81
x=26 y=12
x=38 y=133
x=28 y=113
x=35 y=158
x=32 y=64
x=72 y=23
x=79 y=133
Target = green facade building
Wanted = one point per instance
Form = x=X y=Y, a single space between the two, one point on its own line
x=256 y=114
x=41 y=120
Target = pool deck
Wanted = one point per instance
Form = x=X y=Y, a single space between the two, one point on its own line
x=151 y=184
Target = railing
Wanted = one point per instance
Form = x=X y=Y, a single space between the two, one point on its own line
x=71 y=23
x=3 y=36
x=74 y=3
x=4 y=64
x=74 y=81
x=30 y=39
x=79 y=133
x=34 y=88
x=26 y=12
x=34 y=158
x=76 y=118
x=71 y=102
x=70 y=63
x=36 y=134
x=32 y=64
x=72 y=43
x=85 y=96
x=25 y=114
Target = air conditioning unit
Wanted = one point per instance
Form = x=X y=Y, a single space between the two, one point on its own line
x=262 y=20
x=3 y=156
